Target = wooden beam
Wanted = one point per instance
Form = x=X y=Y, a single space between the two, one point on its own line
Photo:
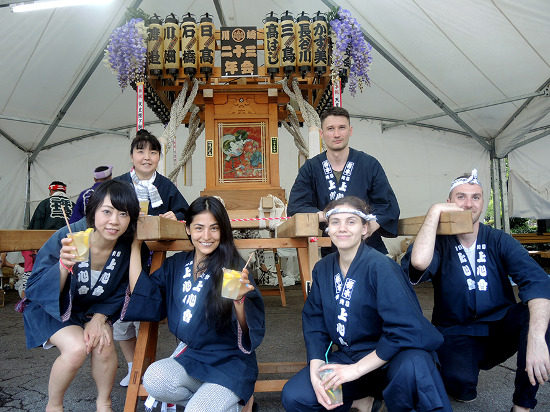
x=450 y=223
x=532 y=237
x=263 y=243
x=281 y=367
x=16 y=240
x=300 y=225
x=156 y=227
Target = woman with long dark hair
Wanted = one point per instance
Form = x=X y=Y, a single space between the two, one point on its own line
x=71 y=304
x=217 y=369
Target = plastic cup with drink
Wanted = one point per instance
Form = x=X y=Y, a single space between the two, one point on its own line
x=143 y=207
x=335 y=394
x=81 y=240
x=231 y=283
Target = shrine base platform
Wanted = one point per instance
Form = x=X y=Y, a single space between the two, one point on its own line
x=24 y=373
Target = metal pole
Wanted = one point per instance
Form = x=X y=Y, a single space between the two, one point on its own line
x=463 y=109
x=27 y=214
x=495 y=181
x=65 y=125
x=504 y=188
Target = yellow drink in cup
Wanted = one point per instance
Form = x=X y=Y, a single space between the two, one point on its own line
x=335 y=395
x=144 y=206
x=82 y=242
x=231 y=283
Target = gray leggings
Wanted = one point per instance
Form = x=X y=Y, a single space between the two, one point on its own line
x=167 y=381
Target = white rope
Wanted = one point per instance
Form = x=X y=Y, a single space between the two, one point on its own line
x=277 y=211
x=195 y=130
x=179 y=110
x=294 y=129
x=169 y=133
x=310 y=115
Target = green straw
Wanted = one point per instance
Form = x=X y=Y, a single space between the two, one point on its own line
x=328 y=350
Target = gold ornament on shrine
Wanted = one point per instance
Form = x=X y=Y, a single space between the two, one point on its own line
x=171 y=32
x=155 y=46
x=189 y=45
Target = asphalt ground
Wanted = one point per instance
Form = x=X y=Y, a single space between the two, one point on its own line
x=24 y=373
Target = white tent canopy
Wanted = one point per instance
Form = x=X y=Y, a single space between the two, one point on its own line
x=62 y=113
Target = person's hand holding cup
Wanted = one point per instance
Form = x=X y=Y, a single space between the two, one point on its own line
x=235 y=284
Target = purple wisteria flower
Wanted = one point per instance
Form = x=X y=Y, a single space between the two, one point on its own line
x=127 y=51
x=350 y=51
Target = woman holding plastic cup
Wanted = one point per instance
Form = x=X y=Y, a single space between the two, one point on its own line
x=71 y=304
x=217 y=369
x=157 y=196
x=361 y=302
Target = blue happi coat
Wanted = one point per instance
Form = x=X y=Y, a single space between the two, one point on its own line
x=172 y=199
x=363 y=177
x=226 y=357
x=466 y=298
x=373 y=308
x=50 y=309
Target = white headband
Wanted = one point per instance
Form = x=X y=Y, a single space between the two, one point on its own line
x=349 y=210
x=472 y=180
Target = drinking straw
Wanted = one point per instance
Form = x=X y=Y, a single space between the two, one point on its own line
x=250 y=257
x=70 y=231
x=328 y=350
x=66 y=220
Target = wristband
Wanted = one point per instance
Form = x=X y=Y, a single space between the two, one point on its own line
x=70 y=270
x=241 y=300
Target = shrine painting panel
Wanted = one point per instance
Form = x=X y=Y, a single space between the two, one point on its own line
x=242 y=157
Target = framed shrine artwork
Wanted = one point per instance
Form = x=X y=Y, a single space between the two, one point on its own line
x=242 y=156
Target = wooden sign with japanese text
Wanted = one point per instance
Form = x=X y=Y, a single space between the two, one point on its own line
x=239 y=55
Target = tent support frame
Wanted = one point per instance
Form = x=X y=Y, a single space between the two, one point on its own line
x=463 y=109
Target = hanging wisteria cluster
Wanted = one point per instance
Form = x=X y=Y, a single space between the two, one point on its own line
x=349 y=44
x=127 y=51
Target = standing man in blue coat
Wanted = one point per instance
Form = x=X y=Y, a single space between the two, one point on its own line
x=342 y=171
x=474 y=304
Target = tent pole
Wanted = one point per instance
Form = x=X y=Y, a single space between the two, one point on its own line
x=504 y=189
x=27 y=214
x=464 y=109
x=495 y=181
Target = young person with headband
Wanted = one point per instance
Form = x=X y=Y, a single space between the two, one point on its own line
x=70 y=304
x=48 y=214
x=474 y=303
x=361 y=302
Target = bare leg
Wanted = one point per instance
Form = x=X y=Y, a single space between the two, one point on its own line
x=128 y=348
x=517 y=408
x=104 y=366
x=70 y=343
x=364 y=404
x=248 y=406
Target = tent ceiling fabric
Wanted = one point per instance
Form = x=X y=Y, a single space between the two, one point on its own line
x=464 y=52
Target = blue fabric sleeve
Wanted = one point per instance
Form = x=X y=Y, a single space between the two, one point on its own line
x=316 y=336
x=303 y=195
